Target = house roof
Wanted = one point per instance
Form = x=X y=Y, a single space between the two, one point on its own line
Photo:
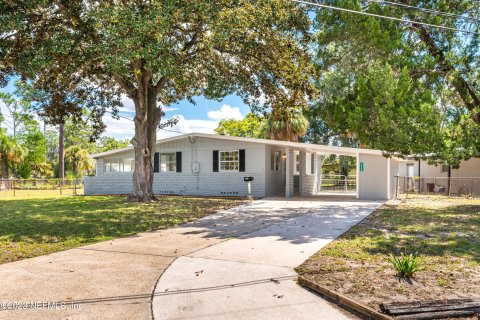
x=308 y=147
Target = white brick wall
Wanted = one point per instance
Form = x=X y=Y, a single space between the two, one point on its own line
x=206 y=183
x=109 y=183
x=307 y=181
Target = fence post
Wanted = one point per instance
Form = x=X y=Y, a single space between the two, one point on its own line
x=346 y=183
x=471 y=188
x=406 y=188
x=75 y=186
x=60 y=186
x=14 y=187
x=396 y=187
x=449 y=185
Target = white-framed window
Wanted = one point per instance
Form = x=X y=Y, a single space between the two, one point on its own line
x=275 y=161
x=168 y=162
x=444 y=168
x=118 y=165
x=229 y=160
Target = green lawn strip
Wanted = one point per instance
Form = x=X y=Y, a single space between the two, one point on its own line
x=38 y=226
x=445 y=233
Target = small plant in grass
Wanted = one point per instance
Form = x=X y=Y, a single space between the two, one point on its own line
x=406 y=265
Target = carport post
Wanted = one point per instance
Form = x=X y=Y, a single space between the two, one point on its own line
x=288 y=173
x=357 y=178
x=319 y=172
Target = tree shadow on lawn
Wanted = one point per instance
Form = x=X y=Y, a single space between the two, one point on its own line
x=452 y=231
x=88 y=219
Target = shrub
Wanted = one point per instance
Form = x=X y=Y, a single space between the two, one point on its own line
x=406 y=265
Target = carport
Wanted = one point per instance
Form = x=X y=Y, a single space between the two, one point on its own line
x=373 y=180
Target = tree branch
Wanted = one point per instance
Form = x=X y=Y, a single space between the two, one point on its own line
x=125 y=85
x=160 y=84
x=466 y=92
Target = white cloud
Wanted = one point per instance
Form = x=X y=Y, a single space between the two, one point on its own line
x=225 y=112
x=192 y=125
x=169 y=109
x=128 y=104
x=120 y=129
x=124 y=129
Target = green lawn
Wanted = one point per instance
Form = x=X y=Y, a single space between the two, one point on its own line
x=33 y=226
x=444 y=231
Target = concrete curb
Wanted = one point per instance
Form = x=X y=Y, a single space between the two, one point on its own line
x=342 y=300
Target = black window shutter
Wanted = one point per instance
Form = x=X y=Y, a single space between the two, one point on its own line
x=241 y=164
x=215 y=160
x=179 y=161
x=156 y=162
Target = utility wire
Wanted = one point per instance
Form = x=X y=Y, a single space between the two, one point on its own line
x=157 y=130
x=436 y=12
x=9 y=125
x=384 y=17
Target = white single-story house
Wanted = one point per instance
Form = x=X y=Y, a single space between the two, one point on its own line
x=217 y=165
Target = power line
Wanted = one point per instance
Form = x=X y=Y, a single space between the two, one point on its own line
x=384 y=17
x=5 y=122
x=157 y=130
x=172 y=131
x=440 y=13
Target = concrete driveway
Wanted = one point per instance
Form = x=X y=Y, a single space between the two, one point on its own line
x=252 y=275
x=236 y=263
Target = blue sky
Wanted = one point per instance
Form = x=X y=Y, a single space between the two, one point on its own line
x=201 y=117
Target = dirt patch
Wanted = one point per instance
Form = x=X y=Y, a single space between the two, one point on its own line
x=444 y=231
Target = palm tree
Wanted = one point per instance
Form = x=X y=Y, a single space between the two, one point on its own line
x=77 y=159
x=11 y=153
x=287 y=124
x=43 y=170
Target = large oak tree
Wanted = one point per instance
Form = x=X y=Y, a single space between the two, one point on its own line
x=160 y=52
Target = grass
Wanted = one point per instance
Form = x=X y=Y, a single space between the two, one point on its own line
x=444 y=231
x=36 y=193
x=34 y=226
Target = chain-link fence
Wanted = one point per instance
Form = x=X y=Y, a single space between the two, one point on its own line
x=337 y=183
x=40 y=187
x=454 y=186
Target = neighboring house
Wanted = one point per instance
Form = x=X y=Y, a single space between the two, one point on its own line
x=416 y=174
x=420 y=168
x=216 y=165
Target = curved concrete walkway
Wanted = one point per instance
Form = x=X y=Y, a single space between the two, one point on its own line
x=252 y=276
x=236 y=263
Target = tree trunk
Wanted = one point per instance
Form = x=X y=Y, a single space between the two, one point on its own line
x=61 y=151
x=147 y=119
x=144 y=94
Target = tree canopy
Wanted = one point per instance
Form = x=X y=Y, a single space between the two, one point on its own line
x=250 y=127
x=401 y=87
x=158 y=53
